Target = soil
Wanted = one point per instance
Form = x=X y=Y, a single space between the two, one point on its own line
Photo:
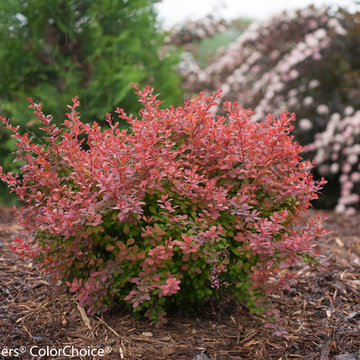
x=321 y=313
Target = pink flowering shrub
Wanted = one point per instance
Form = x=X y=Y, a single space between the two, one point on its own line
x=179 y=209
x=193 y=31
x=304 y=61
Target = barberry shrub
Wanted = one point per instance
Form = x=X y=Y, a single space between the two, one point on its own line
x=179 y=209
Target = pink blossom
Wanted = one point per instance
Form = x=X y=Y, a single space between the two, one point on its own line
x=349 y=110
x=346 y=168
x=343 y=178
x=334 y=168
x=322 y=109
x=308 y=100
x=352 y=159
x=305 y=124
x=340 y=208
x=314 y=83
x=355 y=176
x=317 y=56
x=350 y=211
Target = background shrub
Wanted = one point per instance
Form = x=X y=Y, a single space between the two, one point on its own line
x=306 y=61
x=51 y=49
x=180 y=209
x=200 y=40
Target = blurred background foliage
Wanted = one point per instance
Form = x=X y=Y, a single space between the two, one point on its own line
x=208 y=47
x=202 y=39
x=306 y=61
x=52 y=50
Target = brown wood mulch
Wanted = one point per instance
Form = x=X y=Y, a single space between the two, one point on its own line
x=321 y=313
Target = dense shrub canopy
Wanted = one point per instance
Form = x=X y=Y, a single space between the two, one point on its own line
x=182 y=208
x=306 y=61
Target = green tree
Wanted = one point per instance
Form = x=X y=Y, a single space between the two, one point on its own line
x=52 y=50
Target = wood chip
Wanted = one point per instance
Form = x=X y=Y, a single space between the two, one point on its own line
x=84 y=317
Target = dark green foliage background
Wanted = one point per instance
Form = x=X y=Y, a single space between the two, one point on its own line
x=52 y=50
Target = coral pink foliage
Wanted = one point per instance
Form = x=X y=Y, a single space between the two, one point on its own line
x=180 y=198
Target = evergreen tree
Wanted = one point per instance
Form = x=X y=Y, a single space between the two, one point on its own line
x=52 y=50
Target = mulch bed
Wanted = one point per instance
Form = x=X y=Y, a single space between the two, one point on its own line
x=321 y=313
